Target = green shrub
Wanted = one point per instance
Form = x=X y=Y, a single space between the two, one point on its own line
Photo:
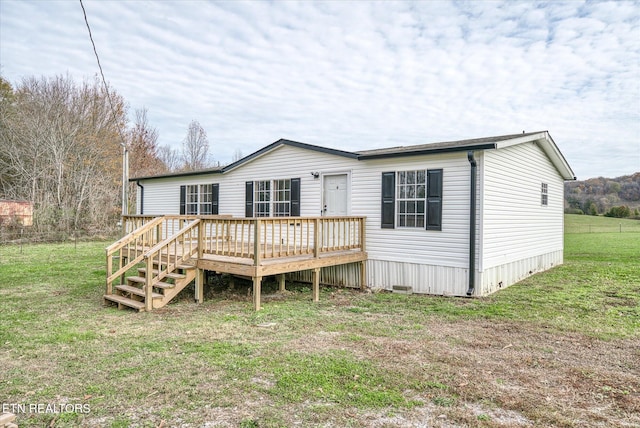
x=622 y=211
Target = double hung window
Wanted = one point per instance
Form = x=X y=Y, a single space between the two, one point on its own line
x=199 y=199
x=412 y=199
x=272 y=198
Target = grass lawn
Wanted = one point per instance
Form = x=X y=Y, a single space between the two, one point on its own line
x=561 y=348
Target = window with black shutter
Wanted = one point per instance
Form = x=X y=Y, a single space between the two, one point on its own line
x=215 y=199
x=183 y=200
x=248 y=199
x=412 y=199
x=273 y=198
x=295 y=197
x=434 y=199
x=388 y=199
x=199 y=199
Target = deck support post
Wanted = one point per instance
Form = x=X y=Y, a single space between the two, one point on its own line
x=316 y=284
x=363 y=275
x=281 y=280
x=199 y=285
x=257 y=285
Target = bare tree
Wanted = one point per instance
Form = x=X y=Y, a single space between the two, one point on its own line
x=170 y=158
x=237 y=155
x=195 y=148
x=144 y=159
x=60 y=149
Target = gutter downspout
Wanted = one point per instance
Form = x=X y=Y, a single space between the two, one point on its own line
x=472 y=224
x=141 y=197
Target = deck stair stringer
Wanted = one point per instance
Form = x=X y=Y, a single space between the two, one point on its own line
x=168 y=267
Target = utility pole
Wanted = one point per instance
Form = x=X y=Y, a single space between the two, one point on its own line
x=125 y=179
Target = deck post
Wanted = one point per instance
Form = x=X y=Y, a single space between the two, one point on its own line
x=121 y=263
x=201 y=239
x=363 y=275
x=316 y=284
x=257 y=285
x=316 y=238
x=256 y=242
x=109 y=272
x=281 y=280
x=148 y=300
x=363 y=235
x=199 y=285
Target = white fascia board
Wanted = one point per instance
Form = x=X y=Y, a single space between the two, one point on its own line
x=521 y=140
x=546 y=143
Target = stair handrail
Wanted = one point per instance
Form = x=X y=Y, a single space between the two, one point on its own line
x=183 y=251
x=117 y=246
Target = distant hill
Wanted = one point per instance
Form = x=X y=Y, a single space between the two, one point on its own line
x=598 y=195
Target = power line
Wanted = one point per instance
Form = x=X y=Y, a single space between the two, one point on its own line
x=125 y=151
x=104 y=82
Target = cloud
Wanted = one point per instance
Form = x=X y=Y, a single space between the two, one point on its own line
x=355 y=75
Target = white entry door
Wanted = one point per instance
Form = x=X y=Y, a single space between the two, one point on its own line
x=336 y=194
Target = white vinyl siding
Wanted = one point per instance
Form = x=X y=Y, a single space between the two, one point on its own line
x=515 y=225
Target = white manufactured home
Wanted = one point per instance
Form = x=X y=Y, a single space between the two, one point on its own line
x=452 y=218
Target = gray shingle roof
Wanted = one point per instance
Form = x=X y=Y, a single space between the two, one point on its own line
x=459 y=145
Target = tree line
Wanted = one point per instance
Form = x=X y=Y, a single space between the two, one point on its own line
x=61 y=145
x=613 y=197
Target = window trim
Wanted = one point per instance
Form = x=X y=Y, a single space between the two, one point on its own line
x=414 y=200
x=544 y=194
x=189 y=199
x=389 y=219
x=290 y=192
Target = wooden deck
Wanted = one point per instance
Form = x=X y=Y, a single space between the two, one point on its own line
x=256 y=247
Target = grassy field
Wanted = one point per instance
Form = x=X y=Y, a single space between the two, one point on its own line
x=561 y=348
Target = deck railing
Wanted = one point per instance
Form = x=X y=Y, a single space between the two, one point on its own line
x=281 y=236
x=142 y=233
x=166 y=256
x=126 y=252
x=169 y=240
x=170 y=226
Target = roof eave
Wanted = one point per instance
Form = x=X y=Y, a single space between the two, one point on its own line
x=176 y=175
x=428 y=151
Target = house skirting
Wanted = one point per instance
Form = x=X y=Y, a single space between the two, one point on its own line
x=381 y=274
x=501 y=276
x=432 y=279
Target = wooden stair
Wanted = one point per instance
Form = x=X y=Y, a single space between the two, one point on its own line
x=132 y=294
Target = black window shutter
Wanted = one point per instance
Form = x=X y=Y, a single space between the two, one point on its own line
x=248 y=197
x=295 y=197
x=183 y=200
x=215 y=198
x=434 y=199
x=388 y=200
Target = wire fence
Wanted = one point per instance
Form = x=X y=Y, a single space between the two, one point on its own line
x=28 y=236
x=626 y=227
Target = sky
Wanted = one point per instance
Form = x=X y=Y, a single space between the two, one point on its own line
x=353 y=75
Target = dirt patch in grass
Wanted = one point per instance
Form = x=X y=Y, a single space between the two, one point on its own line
x=491 y=373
